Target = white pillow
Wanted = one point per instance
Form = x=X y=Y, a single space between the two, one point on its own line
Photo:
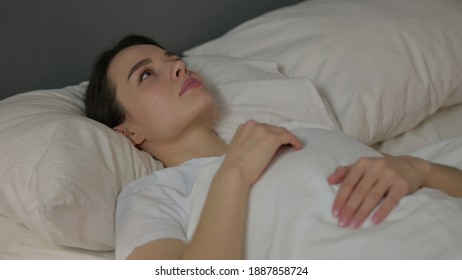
x=61 y=172
x=251 y=89
x=383 y=65
x=444 y=124
x=269 y=101
x=218 y=70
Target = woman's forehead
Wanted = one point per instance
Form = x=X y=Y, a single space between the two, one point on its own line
x=139 y=50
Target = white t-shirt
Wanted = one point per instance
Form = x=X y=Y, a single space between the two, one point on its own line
x=156 y=206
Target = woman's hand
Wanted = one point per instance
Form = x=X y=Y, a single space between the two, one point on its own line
x=253 y=147
x=366 y=183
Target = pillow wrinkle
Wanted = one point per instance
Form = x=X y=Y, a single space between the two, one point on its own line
x=60 y=188
x=33 y=212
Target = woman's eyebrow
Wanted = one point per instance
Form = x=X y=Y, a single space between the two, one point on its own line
x=138 y=65
x=168 y=54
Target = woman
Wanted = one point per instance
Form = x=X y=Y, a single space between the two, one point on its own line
x=150 y=96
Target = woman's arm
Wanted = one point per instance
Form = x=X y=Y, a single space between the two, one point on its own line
x=371 y=181
x=221 y=226
x=220 y=231
x=445 y=178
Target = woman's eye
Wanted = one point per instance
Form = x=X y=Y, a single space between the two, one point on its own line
x=145 y=74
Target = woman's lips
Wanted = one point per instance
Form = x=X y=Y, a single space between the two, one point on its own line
x=190 y=83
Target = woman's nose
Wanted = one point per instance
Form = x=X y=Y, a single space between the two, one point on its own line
x=180 y=68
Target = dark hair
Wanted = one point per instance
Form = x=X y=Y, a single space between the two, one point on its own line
x=100 y=97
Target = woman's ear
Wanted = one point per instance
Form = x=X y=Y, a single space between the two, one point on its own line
x=135 y=137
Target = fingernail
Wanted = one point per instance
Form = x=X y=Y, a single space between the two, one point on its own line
x=375 y=219
x=335 y=212
x=342 y=222
x=355 y=223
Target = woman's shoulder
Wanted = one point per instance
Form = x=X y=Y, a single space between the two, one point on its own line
x=176 y=178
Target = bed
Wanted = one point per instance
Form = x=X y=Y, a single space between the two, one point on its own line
x=386 y=73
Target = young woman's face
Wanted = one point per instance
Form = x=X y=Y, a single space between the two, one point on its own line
x=162 y=98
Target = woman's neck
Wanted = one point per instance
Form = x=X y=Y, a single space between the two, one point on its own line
x=200 y=144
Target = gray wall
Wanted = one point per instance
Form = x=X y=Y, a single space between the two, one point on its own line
x=52 y=43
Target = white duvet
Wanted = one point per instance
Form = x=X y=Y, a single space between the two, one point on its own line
x=290 y=207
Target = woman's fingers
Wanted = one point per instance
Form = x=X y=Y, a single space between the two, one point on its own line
x=279 y=136
x=372 y=199
x=338 y=175
x=349 y=182
x=392 y=198
x=254 y=145
x=270 y=134
x=364 y=185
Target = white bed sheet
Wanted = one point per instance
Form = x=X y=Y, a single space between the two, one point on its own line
x=290 y=208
